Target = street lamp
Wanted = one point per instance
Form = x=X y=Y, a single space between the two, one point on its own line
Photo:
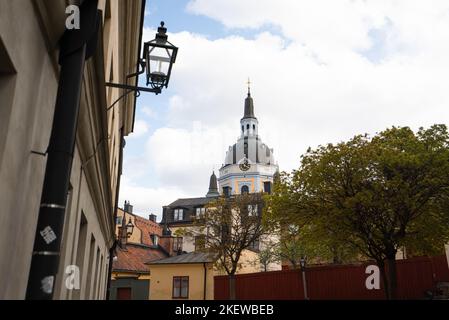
x=158 y=58
x=302 y=262
x=129 y=228
x=160 y=55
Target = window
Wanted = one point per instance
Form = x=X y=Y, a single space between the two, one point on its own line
x=243 y=128
x=254 y=127
x=224 y=233
x=180 y=287
x=245 y=190
x=154 y=239
x=118 y=221
x=227 y=191
x=255 y=245
x=177 y=244
x=252 y=210
x=247 y=127
x=178 y=215
x=200 y=212
x=267 y=187
x=200 y=243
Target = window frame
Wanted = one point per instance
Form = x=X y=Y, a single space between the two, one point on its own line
x=269 y=184
x=253 y=210
x=181 y=280
x=202 y=212
x=246 y=189
x=252 y=245
x=178 y=243
x=202 y=244
x=178 y=214
x=154 y=239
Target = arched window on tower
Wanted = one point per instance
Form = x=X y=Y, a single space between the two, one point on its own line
x=243 y=128
x=254 y=127
x=247 y=127
x=245 y=190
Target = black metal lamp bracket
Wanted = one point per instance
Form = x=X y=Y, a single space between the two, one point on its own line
x=135 y=88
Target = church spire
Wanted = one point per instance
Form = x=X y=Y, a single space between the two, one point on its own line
x=213 y=186
x=249 y=104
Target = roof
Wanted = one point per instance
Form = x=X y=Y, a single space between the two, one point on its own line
x=249 y=107
x=188 y=258
x=192 y=202
x=147 y=227
x=134 y=257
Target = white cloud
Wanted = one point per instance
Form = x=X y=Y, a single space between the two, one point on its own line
x=185 y=158
x=141 y=127
x=311 y=84
x=147 y=201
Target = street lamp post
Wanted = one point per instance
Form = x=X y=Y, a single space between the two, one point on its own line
x=304 y=281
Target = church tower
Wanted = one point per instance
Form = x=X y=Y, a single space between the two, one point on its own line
x=249 y=165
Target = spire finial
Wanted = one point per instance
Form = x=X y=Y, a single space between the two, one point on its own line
x=249 y=86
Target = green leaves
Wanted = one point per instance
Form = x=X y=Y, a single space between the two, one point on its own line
x=374 y=195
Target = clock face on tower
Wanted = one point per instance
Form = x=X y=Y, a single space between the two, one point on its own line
x=245 y=165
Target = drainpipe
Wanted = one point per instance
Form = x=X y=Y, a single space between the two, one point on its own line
x=205 y=281
x=76 y=46
x=117 y=192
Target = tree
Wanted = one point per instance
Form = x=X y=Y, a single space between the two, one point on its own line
x=231 y=225
x=375 y=194
x=299 y=237
x=268 y=254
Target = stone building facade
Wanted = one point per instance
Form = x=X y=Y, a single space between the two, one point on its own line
x=29 y=74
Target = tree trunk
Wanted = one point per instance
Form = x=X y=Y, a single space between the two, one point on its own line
x=392 y=278
x=232 y=293
x=383 y=274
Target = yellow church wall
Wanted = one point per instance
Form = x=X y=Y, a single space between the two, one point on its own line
x=251 y=181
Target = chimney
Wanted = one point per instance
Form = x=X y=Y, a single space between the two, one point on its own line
x=167 y=243
x=128 y=207
x=153 y=217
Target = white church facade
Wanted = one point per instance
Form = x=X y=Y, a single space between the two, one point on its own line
x=249 y=167
x=249 y=164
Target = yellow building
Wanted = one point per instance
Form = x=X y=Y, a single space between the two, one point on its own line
x=187 y=276
x=130 y=278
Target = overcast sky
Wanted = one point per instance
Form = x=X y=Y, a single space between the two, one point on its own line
x=321 y=71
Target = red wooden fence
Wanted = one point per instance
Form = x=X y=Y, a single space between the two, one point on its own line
x=340 y=282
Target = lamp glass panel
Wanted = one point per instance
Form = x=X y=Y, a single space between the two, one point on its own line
x=160 y=59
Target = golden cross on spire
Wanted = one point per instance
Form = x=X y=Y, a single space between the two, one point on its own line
x=249 y=86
